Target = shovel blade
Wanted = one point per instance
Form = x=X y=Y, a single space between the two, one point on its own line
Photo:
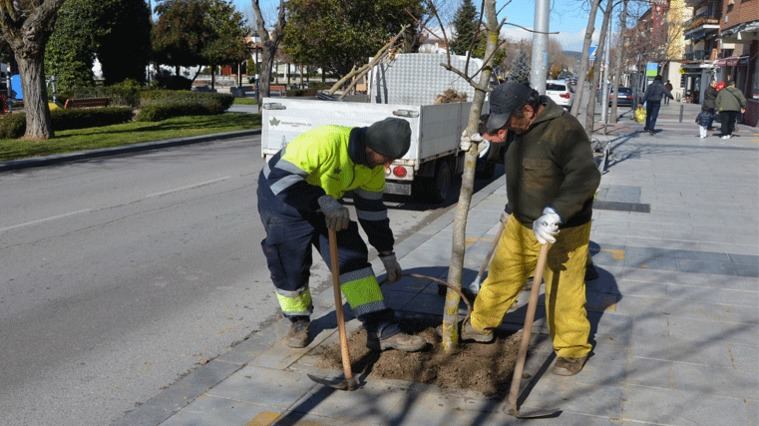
x=539 y=414
x=339 y=382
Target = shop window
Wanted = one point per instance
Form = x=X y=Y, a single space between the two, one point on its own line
x=755 y=81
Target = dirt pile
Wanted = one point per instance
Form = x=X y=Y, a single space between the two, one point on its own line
x=485 y=368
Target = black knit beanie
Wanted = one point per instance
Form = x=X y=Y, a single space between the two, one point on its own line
x=390 y=137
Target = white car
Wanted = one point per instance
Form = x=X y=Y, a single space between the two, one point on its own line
x=560 y=92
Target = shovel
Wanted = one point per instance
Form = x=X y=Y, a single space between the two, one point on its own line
x=516 y=379
x=347 y=382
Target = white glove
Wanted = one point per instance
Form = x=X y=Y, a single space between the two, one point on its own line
x=467 y=140
x=546 y=227
x=392 y=267
x=335 y=214
x=484 y=148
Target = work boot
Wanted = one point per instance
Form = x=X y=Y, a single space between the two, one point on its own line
x=400 y=341
x=568 y=366
x=470 y=333
x=297 y=336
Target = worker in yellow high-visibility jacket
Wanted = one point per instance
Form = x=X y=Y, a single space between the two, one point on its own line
x=298 y=199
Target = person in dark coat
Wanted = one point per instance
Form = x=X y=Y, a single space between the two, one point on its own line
x=667 y=86
x=652 y=98
x=708 y=105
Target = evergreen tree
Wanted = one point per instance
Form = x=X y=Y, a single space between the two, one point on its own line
x=465 y=25
x=520 y=71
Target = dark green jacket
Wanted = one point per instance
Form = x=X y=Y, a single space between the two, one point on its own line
x=551 y=165
x=730 y=99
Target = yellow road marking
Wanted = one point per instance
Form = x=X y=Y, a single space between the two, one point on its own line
x=616 y=254
x=267 y=418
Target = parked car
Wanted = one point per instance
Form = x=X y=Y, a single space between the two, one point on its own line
x=624 y=96
x=560 y=92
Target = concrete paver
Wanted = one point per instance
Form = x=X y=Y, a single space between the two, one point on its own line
x=674 y=317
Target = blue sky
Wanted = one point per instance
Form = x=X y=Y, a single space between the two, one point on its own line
x=569 y=17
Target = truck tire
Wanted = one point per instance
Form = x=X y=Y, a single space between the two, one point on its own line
x=437 y=189
x=485 y=169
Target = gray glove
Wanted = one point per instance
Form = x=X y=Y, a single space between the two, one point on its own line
x=335 y=214
x=392 y=267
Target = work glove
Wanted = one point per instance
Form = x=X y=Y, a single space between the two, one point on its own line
x=392 y=267
x=467 y=140
x=335 y=214
x=546 y=227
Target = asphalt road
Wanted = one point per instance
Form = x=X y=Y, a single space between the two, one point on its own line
x=121 y=274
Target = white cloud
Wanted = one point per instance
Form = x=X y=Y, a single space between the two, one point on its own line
x=569 y=40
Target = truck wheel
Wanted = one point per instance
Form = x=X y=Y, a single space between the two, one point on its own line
x=439 y=188
x=485 y=169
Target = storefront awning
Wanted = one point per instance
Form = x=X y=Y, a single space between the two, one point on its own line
x=732 y=61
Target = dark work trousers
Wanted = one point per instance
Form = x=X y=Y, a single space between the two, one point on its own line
x=652 y=113
x=290 y=235
x=727 y=122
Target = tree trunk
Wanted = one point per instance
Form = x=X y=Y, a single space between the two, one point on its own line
x=269 y=42
x=176 y=70
x=38 y=123
x=267 y=64
x=584 y=58
x=594 y=86
x=458 y=247
x=618 y=58
x=213 y=77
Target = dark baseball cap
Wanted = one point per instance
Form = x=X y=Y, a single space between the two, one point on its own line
x=505 y=99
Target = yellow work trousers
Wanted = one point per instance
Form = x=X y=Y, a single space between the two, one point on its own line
x=515 y=259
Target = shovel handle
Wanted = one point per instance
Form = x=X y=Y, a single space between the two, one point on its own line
x=335 y=268
x=532 y=305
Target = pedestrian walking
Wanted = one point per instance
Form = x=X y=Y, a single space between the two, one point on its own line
x=299 y=192
x=729 y=102
x=708 y=105
x=652 y=98
x=550 y=179
x=667 y=86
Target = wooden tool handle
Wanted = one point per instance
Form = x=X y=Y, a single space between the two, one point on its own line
x=532 y=305
x=335 y=262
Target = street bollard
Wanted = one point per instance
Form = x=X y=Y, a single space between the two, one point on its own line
x=682 y=107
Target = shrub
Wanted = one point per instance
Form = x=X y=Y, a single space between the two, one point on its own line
x=159 y=105
x=65 y=119
x=158 y=111
x=12 y=126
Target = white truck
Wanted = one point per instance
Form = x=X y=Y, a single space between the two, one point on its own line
x=405 y=88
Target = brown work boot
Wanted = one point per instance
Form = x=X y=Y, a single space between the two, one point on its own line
x=400 y=341
x=297 y=336
x=468 y=332
x=568 y=366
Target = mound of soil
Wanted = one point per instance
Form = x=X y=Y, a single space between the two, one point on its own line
x=485 y=368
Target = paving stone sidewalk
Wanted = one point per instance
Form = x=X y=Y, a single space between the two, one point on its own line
x=675 y=312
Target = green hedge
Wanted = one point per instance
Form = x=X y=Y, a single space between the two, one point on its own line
x=159 y=105
x=14 y=125
x=64 y=119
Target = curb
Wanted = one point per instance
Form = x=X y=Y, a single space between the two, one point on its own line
x=198 y=381
x=126 y=149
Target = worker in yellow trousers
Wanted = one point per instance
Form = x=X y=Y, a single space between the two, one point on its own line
x=550 y=182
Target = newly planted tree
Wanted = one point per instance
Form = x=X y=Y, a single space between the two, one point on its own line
x=26 y=26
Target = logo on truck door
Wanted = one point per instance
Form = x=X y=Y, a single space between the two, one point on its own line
x=292 y=123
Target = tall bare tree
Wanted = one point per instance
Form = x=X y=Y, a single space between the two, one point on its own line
x=595 y=81
x=270 y=42
x=26 y=26
x=584 y=58
x=618 y=68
